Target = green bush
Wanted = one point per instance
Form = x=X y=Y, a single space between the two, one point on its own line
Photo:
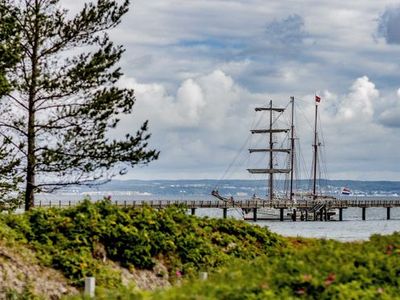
x=305 y=269
x=245 y=261
x=66 y=239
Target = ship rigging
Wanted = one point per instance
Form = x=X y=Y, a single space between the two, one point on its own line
x=271 y=167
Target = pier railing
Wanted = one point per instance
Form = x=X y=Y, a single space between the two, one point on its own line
x=246 y=204
x=320 y=209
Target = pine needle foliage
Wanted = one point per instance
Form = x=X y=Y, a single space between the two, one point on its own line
x=61 y=101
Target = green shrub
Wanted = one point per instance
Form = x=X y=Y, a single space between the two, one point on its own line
x=66 y=238
x=248 y=262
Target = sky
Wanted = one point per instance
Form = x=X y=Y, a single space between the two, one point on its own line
x=199 y=68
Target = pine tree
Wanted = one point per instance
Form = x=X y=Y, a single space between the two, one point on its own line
x=62 y=102
x=10 y=176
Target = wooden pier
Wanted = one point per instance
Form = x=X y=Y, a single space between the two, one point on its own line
x=300 y=210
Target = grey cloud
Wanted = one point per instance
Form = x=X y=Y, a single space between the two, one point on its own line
x=287 y=31
x=389 y=25
x=390 y=118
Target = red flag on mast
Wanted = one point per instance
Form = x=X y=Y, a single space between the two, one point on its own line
x=317 y=98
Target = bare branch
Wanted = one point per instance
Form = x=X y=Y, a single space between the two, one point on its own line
x=20 y=131
x=17 y=101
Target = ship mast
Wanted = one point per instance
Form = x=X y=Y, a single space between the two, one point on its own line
x=315 y=151
x=271 y=131
x=291 y=150
x=271 y=158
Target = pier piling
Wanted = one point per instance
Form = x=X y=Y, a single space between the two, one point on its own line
x=224 y=212
x=340 y=214
x=193 y=211
x=255 y=214
x=364 y=213
x=388 y=213
x=294 y=215
x=281 y=214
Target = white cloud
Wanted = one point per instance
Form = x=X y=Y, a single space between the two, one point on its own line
x=200 y=128
x=205 y=102
x=357 y=141
x=190 y=102
x=198 y=68
x=358 y=105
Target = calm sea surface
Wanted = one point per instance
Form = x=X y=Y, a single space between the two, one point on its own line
x=342 y=231
x=351 y=229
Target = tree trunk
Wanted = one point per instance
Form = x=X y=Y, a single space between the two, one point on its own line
x=31 y=159
x=30 y=186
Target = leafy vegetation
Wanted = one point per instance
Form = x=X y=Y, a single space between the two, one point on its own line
x=70 y=239
x=308 y=269
x=244 y=261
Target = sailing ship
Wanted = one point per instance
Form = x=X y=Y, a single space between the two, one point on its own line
x=272 y=171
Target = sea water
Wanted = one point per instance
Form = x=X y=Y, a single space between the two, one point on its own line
x=352 y=228
x=347 y=230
